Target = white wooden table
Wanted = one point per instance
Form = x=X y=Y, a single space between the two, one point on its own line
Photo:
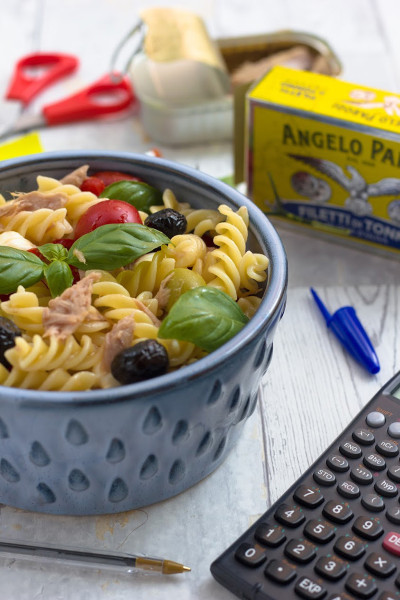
x=312 y=388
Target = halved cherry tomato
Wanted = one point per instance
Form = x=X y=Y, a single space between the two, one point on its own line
x=104 y=213
x=109 y=177
x=94 y=185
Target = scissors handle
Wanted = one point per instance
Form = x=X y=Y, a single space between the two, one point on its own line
x=34 y=72
x=103 y=97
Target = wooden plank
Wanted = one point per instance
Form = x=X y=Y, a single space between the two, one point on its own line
x=314 y=388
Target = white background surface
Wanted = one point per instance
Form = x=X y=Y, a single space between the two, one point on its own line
x=312 y=388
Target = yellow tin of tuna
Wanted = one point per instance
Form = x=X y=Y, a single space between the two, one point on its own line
x=325 y=154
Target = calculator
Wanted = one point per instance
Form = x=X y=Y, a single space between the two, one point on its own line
x=335 y=533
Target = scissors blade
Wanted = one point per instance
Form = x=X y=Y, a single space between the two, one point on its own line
x=24 y=123
x=10 y=111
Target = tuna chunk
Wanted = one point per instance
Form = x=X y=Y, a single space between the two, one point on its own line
x=163 y=293
x=119 y=338
x=33 y=201
x=65 y=313
x=76 y=177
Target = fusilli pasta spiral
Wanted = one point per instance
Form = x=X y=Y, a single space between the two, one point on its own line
x=39 y=355
x=40 y=226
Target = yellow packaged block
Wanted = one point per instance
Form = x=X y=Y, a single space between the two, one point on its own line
x=325 y=154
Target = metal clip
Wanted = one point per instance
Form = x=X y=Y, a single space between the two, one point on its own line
x=117 y=75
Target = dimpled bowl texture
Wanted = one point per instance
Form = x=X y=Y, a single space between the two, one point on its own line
x=113 y=450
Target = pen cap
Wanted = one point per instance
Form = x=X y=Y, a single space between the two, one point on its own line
x=347 y=327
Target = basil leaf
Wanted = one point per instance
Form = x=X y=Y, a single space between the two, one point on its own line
x=115 y=245
x=204 y=316
x=58 y=276
x=18 y=267
x=141 y=195
x=53 y=251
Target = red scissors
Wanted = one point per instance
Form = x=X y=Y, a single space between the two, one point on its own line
x=111 y=94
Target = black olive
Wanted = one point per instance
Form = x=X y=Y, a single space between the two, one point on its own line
x=8 y=332
x=145 y=360
x=168 y=221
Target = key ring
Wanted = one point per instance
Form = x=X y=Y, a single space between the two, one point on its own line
x=116 y=75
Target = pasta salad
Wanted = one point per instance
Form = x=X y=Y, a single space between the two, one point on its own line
x=106 y=280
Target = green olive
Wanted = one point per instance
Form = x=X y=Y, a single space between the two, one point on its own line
x=182 y=281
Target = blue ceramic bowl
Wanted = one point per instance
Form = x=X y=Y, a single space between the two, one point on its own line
x=107 y=451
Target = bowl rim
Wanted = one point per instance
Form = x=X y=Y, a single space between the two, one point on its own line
x=259 y=224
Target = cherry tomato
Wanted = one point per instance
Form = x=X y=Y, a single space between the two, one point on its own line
x=109 y=211
x=37 y=253
x=109 y=177
x=94 y=185
x=154 y=152
x=75 y=274
x=64 y=242
x=208 y=240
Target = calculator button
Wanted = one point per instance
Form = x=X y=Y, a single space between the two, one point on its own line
x=386 y=488
x=280 y=571
x=361 y=475
x=394 y=473
x=251 y=555
x=391 y=543
x=349 y=547
x=339 y=512
x=324 y=477
x=393 y=514
x=388 y=596
x=270 y=535
x=330 y=567
x=337 y=463
x=387 y=448
x=378 y=564
x=301 y=551
x=319 y=531
x=374 y=462
x=372 y=502
x=341 y=596
x=350 y=449
x=363 y=436
x=361 y=586
x=394 y=429
x=375 y=419
x=309 y=589
x=308 y=496
x=368 y=528
x=348 y=489
x=291 y=516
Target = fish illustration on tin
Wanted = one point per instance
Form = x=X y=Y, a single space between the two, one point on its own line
x=353 y=182
x=305 y=184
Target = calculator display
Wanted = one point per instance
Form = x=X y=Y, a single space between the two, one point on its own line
x=396 y=392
